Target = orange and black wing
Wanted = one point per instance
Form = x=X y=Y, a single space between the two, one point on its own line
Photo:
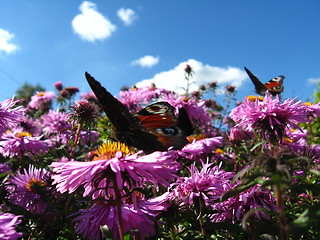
x=274 y=86
x=160 y=119
x=128 y=128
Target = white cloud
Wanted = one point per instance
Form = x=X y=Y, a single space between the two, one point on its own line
x=127 y=15
x=91 y=25
x=5 y=44
x=314 y=80
x=174 y=79
x=146 y=61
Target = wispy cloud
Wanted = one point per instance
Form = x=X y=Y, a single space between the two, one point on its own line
x=90 y=24
x=146 y=61
x=127 y=15
x=5 y=44
x=314 y=80
x=174 y=79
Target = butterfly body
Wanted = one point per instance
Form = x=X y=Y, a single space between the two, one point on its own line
x=274 y=86
x=154 y=128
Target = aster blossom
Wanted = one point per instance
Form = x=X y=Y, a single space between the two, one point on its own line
x=28 y=188
x=270 y=117
x=8 y=222
x=40 y=98
x=207 y=184
x=128 y=170
x=199 y=149
x=101 y=214
x=21 y=143
x=10 y=116
x=234 y=208
x=134 y=99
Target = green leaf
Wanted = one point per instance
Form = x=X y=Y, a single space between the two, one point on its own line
x=309 y=217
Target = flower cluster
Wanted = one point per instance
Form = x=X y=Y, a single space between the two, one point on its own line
x=63 y=174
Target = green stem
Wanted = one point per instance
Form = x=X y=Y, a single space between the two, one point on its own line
x=281 y=212
x=119 y=204
x=76 y=140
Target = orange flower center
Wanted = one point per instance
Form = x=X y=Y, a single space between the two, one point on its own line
x=33 y=183
x=22 y=134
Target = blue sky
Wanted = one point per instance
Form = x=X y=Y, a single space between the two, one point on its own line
x=129 y=42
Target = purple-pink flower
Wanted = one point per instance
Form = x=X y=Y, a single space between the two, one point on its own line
x=128 y=170
x=270 y=117
x=8 y=222
x=10 y=116
x=207 y=185
x=101 y=214
x=21 y=143
x=28 y=188
x=236 y=207
x=200 y=149
x=39 y=98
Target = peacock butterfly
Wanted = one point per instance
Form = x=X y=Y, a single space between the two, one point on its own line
x=274 y=86
x=154 y=128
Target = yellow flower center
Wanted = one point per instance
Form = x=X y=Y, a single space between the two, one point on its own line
x=34 y=181
x=109 y=149
x=307 y=103
x=40 y=94
x=219 y=151
x=22 y=134
x=253 y=98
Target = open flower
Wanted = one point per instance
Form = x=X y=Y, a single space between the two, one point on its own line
x=237 y=206
x=100 y=214
x=21 y=143
x=8 y=222
x=10 y=116
x=270 y=117
x=206 y=185
x=28 y=189
x=200 y=149
x=118 y=168
x=40 y=98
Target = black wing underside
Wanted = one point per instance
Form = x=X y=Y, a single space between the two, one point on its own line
x=259 y=86
x=128 y=128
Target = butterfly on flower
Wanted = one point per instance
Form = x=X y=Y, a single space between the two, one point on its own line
x=274 y=86
x=154 y=128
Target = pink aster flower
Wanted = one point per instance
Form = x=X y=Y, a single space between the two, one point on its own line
x=237 y=206
x=134 y=99
x=128 y=170
x=20 y=143
x=4 y=168
x=101 y=214
x=270 y=117
x=208 y=185
x=8 y=222
x=197 y=110
x=55 y=122
x=39 y=98
x=90 y=96
x=10 y=116
x=200 y=148
x=27 y=189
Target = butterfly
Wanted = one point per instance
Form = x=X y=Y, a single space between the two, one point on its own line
x=154 y=128
x=274 y=86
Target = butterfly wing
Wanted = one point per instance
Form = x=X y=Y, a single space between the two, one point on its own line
x=128 y=128
x=160 y=119
x=259 y=86
x=275 y=86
